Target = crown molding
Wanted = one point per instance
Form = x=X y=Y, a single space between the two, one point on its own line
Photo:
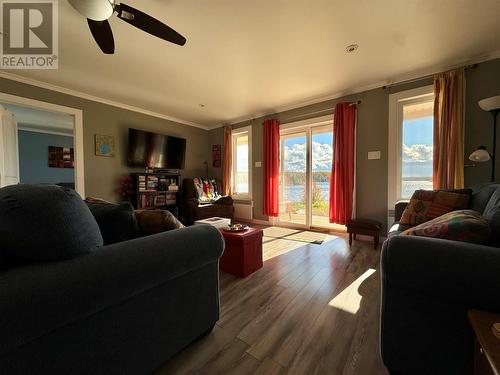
x=83 y=95
x=399 y=79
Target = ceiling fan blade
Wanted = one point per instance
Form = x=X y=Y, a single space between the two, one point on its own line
x=103 y=35
x=149 y=24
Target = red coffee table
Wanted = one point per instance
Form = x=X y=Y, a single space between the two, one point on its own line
x=243 y=253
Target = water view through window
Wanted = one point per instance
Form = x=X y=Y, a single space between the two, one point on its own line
x=295 y=169
x=417 y=140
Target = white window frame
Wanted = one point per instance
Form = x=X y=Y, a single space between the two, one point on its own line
x=235 y=133
x=396 y=103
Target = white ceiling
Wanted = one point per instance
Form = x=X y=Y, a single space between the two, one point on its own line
x=245 y=58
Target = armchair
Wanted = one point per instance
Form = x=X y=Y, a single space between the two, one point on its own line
x=196 y=210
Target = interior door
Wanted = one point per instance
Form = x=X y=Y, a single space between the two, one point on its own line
x=9 y=151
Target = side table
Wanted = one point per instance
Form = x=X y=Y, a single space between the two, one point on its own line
x=486 y=345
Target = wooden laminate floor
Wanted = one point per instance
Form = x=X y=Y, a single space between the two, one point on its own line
x=312 y=309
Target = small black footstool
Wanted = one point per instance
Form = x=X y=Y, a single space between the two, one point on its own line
x=366 y=227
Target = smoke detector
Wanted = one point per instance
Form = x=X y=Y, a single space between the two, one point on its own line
x=351 y=48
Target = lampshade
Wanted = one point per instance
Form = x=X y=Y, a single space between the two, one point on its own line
x=490 y=104
x=480 y=155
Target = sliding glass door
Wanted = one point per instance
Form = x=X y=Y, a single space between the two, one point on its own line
x=321 y=167
x=293 y=179
x=305 y=167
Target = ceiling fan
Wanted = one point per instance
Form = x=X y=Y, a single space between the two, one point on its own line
x=99 y=11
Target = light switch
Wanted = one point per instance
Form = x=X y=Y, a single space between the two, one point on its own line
x=373 y=155
x=258 y=164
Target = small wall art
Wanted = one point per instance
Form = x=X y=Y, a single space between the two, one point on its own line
x=61 y=157
x=104 y=145
x=216 y=156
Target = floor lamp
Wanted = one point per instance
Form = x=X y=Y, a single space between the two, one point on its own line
x=491 y=105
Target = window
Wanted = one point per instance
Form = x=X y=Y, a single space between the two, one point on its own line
x=242 y=177
x=416 y=147
x=410 y=143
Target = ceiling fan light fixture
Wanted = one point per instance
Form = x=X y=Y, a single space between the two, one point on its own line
x=96 y=10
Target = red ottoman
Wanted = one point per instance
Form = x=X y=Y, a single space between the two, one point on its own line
x=243 y=253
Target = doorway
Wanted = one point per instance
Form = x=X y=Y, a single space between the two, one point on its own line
x=41 y=142
x=306 y=156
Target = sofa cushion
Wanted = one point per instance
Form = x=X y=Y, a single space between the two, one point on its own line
x=40 y=223
x=462 y=225
x=426 y=205
x=156 y=221
x=492 y=214
x=481 y=196
x=117 y=222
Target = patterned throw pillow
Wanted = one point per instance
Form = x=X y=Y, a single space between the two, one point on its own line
x=156 y=221
x=463 y=225
x=206 y=190
x=426 y=205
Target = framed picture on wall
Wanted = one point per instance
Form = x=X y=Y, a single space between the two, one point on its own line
x=216 y=156
x=104 y=145
x=61 y=157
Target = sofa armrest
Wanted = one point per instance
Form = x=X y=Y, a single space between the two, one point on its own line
x=458 y=272
x=399 y=209
x=38 y=298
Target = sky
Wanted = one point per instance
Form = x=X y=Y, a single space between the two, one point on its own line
x=417 y=140
x=322 y=153
x=417 y=147
x=417 y=150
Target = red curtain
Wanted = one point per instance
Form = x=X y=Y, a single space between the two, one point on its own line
x=271 y=167
x=342 y=177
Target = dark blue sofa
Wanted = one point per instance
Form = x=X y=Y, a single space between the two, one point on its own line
x=122 y=309
x=427 y=287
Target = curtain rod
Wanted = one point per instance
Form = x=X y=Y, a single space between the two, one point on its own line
x=329 y=110
x=466 y=67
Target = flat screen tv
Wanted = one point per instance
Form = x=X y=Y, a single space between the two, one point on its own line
x=155 y=151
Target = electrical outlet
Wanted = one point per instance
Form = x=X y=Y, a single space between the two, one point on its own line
x=373 y=155
x=258 y=164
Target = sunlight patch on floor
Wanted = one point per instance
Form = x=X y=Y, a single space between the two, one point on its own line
x=278 y=241
x=308 y=236
x=276 y=247
x=279 y=232
x=349 y=299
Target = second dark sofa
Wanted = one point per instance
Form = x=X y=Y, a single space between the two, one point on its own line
x=428 y=284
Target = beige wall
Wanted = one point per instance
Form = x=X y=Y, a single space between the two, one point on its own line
x=102 y=173
x=372 y=133
x=482 y=82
